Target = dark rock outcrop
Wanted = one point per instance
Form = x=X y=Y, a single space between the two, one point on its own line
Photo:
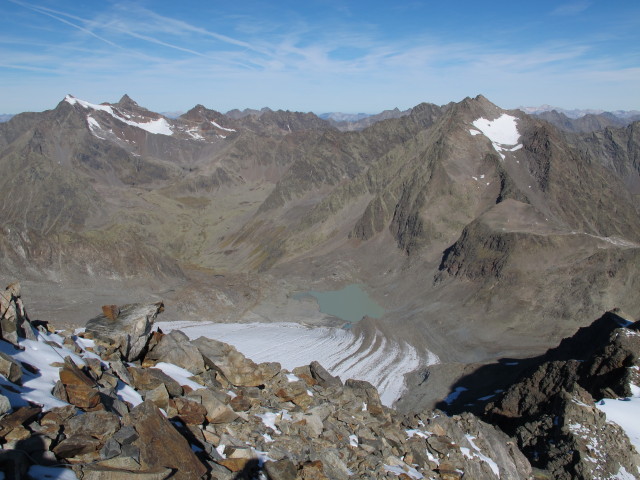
x=551 y=410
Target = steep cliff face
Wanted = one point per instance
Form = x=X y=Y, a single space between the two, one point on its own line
x=619 y=151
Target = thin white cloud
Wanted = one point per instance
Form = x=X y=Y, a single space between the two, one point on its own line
x=180 y=26
x=295 y=60
x=569 y=9
x=29 y=68
x=58 y=16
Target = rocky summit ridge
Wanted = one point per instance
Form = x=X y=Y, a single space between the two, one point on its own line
x=120 y=399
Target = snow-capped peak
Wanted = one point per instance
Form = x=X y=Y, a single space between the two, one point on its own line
x=73 y=101
x=157 y=126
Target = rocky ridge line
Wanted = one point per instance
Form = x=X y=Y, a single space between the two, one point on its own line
x=120 y=400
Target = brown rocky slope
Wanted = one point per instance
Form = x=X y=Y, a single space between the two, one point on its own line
x=123 y=401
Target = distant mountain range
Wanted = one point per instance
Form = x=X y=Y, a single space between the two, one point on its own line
x=577 y=113
x=358 y=121
x=466 y=195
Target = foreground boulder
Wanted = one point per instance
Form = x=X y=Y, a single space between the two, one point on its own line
x=232 y=365
x=14 y=322
x=126 y=329
x=176 y=348
x=160 y=444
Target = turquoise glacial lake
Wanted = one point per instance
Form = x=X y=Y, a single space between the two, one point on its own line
x=349 y=304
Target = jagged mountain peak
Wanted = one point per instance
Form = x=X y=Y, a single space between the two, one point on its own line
x=127 y=102
x=477 y=107
x=201 y=113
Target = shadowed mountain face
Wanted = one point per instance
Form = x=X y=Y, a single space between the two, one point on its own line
x=481 y=231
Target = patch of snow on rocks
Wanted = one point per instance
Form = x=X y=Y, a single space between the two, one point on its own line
x=269 y=419
x=37 y=387
x=292 y=377
x=39 y=472
x=73 y=101
x=626 y=413
x=127 y=393
x=412 y=432
x=478 y=453
x=93 y=123
x=179 y=374
x=403 y=470
x=623 y=475
x=193 y=132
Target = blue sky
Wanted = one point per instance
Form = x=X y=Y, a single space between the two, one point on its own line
x=320 y=55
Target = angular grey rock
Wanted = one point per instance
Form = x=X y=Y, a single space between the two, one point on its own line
x=127 y=329
x=14 y=322
x=120 y=370
x=159 y=396
x=161 y=445
x=280 y=470
x=176 y=348
x=10 y=369
x=99 y=472
x=110 y=449
x=60 y=392
x=131 y=451
x=126 y=435
x=368 y=394
x=5 y=405
x=324 y=378
x=334 y=467
x=101 y=425
x=217 y=411
x=233 y=365
x=151 y=378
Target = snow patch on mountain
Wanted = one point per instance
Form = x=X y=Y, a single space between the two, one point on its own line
x=193 y=133
x=382 y=362
x=626 y=413
x=73 y=101
x=503 y=133
x=222 y=128
x=158 y=126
